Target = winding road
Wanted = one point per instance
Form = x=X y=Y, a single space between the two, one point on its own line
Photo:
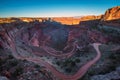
x=80 y=73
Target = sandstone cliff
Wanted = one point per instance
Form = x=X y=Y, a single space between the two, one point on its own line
x=74 y=20
x=111 y=17
x=112 y=13
x=62 y=20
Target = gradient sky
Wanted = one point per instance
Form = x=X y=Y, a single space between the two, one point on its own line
x=54 y=8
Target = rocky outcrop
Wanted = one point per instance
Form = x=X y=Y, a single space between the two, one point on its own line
x=114 y=75
x=112 y=14
x=67 y=20
x=111 y=17
x=45 y=36
x=75 y=20
x=91 y=17
x=33 y=34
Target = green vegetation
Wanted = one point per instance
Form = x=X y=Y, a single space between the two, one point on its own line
x=94 y=27
x=115 y=57
x=92 y=72
x=18 y=71
x=2 y=61
x=10 y=57
x=114 y=60
x=37 y=66
x=69 y=70
x=110 y=68
x=77 y=60
x=13 y=62
x=69 y=65
x=79 y=53
x=58 y=63
x=110 y=31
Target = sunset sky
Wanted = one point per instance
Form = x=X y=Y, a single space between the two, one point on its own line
x=54 y=8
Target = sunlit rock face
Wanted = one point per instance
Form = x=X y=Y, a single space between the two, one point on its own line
x=90 y=17
x=111 y=17
x=75 y=20
x=67 y=20
x=112 y=14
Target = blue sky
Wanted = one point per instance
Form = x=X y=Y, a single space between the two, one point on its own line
x=54 y=8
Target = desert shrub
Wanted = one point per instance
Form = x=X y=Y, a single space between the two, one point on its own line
x=79 y=53
x=91 y=72
x=37 y=66
x=24 y=60
x=94 y=27
x=13 y=62
x=110 y=31
x=18 y=71
x=115 y=57
x=108 y=69
x=77 y=60
x=68 y=70
x=72 y=64
x=10 y=57
x=58 y=63
x=3 y=61
x=69 y=62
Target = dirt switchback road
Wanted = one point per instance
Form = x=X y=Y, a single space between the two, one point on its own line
x=81 y=72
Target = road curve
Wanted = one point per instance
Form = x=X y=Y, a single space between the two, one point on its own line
x=63 y=76
x=52 y=51
x=58 y=74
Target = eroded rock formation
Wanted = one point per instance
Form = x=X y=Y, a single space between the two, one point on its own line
x=112 y=17
x=112 y=14
x=31 y=37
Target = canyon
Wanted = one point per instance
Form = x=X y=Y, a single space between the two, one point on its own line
x=55 y=42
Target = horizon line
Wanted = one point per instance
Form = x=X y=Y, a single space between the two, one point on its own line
x=48 y=16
